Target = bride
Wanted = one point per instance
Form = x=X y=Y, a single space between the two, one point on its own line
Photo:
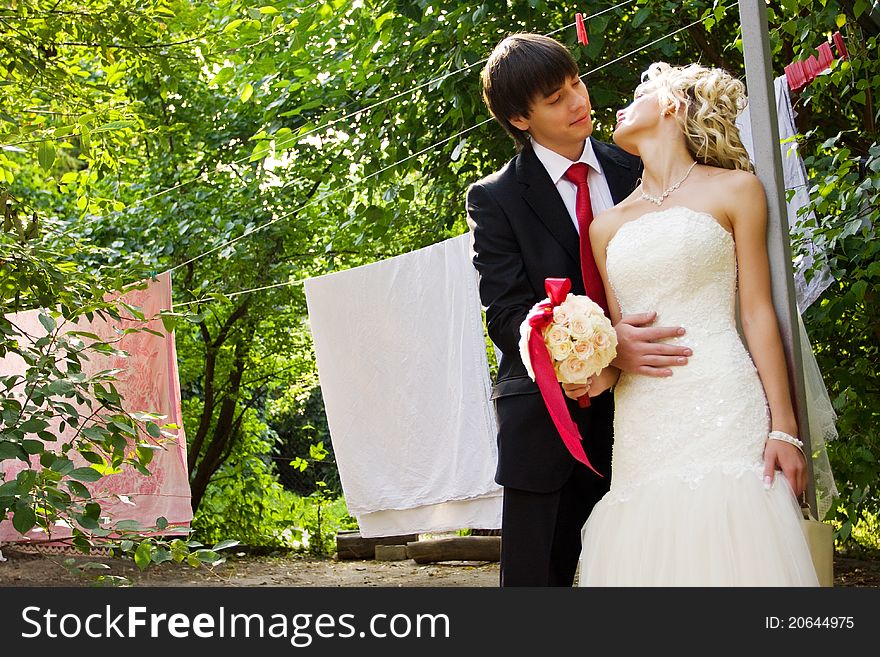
x=696 y=498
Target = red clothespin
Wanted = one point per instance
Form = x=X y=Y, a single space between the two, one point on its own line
x=581 y=29
x=842 y=52
x=825 y=55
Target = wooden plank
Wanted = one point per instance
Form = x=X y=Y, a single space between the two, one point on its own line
x=394 y=552
x=351 y=545
x=459 y=548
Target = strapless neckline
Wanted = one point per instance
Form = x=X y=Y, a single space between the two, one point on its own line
x=655 y=213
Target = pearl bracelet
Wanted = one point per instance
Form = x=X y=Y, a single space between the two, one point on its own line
x=786 y=438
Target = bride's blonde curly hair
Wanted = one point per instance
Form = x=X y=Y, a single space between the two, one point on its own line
x=713 y=99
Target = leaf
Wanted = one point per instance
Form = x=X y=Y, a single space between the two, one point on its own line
x=208 y=556
x=24 y=518
x=128 y=526
x=641 y=15
x=246 y=92
x=828 y=143
x=78 y=489
x=34 y=425
x=260 y=151
x=169 y=322
x=114 y=125
x=87 y=522
x=10 y=450
x=374 y=214
x=84 y=474
x=142 y=556
x=46 y=155
x=32 y=446
x=26 y=480
x=858 y=290
x=161 y=522
x=162 y=555
x=381 y=20
x=91 y=457
x=62 y=465
x=223 y=545
x=9 y=488
x=224 y=76
x=85 y=139
x=47 y=321
x=233 y=25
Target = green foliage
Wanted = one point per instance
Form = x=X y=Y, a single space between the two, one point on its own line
x=844 y=327
x=57 y=384
x=146 y=552
x=321 y=517
x=841 y=149
x=246 y=502
x=60 y=393
x=303 y=448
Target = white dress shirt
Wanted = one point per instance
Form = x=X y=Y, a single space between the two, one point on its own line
x=556 y=165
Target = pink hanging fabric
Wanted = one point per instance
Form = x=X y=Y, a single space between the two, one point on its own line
x=148 y=382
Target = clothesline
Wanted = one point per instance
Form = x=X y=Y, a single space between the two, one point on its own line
x=406 y=92
x=409 y=157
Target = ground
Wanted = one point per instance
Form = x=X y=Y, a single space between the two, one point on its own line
x=28 y=569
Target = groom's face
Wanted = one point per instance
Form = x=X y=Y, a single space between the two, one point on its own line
x=561 y=119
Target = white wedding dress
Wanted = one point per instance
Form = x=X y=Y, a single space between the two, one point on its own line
x=687 y=505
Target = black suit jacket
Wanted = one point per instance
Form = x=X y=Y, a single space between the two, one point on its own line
x=522 y=233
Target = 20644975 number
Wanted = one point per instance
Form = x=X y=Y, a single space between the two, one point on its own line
x=809 y=622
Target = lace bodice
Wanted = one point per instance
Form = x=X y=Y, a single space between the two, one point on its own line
x=712 y=412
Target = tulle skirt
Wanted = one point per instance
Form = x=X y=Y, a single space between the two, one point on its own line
x=724 y=529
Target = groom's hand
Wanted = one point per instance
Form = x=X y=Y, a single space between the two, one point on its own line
x=638 y=351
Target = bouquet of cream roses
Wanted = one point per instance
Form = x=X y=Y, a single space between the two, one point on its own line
x=579 y=338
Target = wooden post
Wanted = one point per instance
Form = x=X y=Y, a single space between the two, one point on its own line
x=768 y=167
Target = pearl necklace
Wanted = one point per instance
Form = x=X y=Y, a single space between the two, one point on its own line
x=657 y=200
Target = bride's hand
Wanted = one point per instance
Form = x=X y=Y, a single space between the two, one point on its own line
x=779 y=455
x=576 y=390
x=594 y=386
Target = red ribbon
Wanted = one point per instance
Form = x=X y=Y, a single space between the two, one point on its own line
x=545 y=375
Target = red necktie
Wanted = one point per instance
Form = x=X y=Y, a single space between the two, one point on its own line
x=577 y=173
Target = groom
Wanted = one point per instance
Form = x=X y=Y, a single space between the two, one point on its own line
x=524 y=221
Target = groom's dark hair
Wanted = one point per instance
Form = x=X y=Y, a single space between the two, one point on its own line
x=521 y=68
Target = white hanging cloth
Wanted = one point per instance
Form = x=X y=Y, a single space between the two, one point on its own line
x=402 y=362
x=795 y=175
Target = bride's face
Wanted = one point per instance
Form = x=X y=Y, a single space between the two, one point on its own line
x=638 y=119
